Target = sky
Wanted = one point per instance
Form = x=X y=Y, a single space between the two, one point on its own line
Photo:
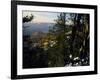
x=42 y=17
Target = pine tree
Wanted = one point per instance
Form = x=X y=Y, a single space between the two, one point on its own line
x=79 y=45
x=72 y=40
x=57 y=52
x=28 y=18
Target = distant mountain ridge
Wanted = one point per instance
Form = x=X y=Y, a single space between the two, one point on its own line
x=29 y=28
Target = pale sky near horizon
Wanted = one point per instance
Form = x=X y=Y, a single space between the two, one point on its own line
x=42 y=17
